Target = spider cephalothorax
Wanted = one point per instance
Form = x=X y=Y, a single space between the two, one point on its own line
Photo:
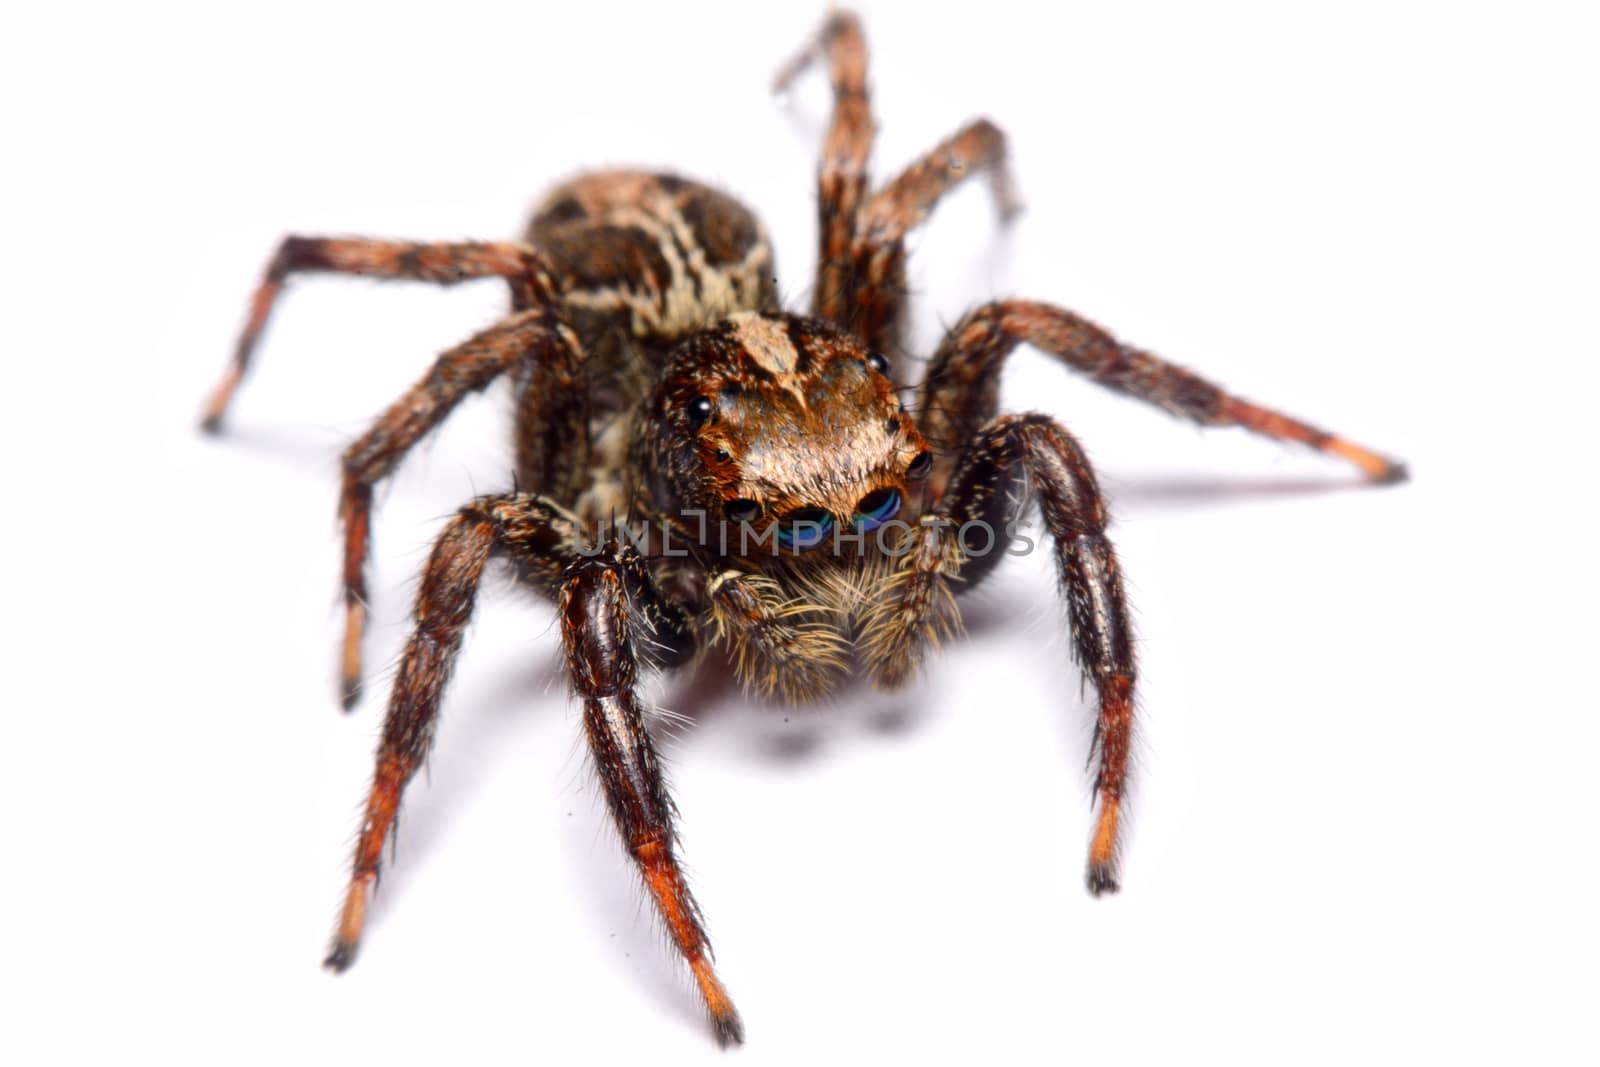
x=697 y=468
x=787 y=425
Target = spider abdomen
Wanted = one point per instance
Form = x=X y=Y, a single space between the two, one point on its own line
x=652 y=256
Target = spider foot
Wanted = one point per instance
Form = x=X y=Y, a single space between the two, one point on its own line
x=1101 y=878
x=341 y=954
x=347 y=938
x=728 y=1028
x=1393 y=474
x=217 y=402
x=724 y=1017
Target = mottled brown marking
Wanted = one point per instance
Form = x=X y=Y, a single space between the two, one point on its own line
x=609 y=257
x=722 y=229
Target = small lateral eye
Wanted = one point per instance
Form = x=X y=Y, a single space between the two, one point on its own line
x=722 y=455
x=699 y=410
x=920 y=466
x=877 y=362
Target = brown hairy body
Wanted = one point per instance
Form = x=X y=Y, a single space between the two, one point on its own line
x=696 y=467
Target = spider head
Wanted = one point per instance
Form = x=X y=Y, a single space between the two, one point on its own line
x=786 y=428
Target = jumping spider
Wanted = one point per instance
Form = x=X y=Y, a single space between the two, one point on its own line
x=658 y=381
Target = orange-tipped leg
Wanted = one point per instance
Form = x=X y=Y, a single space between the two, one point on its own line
x=382 y=805
x=1114 y=734
x=960 y=388
x=594 y=608
x=1038 y=451
x=266 y=295
x=1102 y=874
x=664 y=879
x=1377 y=468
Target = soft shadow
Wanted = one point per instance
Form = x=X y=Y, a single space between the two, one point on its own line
x=1165 y=492
x=454 y=771
x=771 y=729
x=297 y=447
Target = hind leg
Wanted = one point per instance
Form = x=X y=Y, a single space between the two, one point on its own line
x=877 y=272
x=860 y=282
x=842 y=171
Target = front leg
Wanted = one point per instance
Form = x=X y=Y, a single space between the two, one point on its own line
x=607 y=605
x=1037 y=451
x=598 y=602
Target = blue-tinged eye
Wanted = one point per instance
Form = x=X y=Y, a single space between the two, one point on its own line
x=877 y=508
x=805 y=529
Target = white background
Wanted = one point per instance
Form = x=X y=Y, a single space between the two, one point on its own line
x=1364 y=818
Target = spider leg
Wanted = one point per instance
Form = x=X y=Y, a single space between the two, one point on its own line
x=544 y=539
x=961 y=389
x=535 y=339
x=596 y=602
x=842 y=172
x=444 y=263
x=917 y=602
x=877 y=270
x=607 y=606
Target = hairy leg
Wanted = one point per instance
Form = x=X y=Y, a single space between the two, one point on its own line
x=877 y=254
x=544 y=540
x=597 y=600
x=535 y=337
x=842 y=172
x=608 y=607
x=444 y=263
x=1037 y=451
x=961 y=389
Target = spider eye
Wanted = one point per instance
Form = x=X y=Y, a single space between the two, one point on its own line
x=920 y=466
x=877 y=508
x=741 y=510
x=805 y=529
x=699 y=410
x=877 y=362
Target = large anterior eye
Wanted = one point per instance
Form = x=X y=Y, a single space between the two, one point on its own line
x=877 y=508
x=805 y=529
x=878 y=362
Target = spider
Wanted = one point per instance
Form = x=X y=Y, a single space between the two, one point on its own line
x=664 y=399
